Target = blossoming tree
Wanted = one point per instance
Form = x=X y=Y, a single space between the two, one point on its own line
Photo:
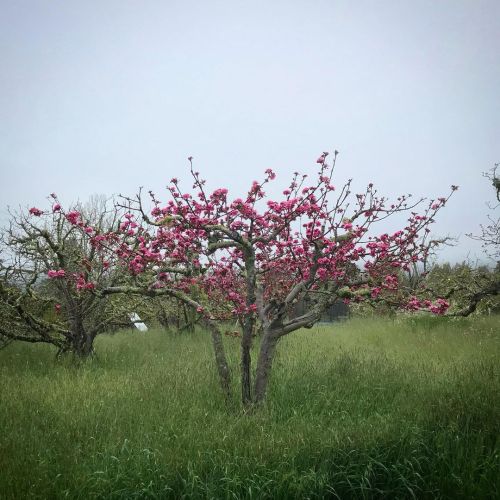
x=253 y=259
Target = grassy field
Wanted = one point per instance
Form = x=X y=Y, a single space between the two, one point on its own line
x=364 y=409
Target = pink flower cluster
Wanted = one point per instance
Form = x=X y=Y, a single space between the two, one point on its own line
x=82 y=284
x=79 y=279
x=35 y=211
x=440 y=306
x=59 y=273
x=73 y=217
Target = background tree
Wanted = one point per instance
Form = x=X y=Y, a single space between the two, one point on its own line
x=490 y=232
x=469 y=288
x=475 y=288
x=51 y=267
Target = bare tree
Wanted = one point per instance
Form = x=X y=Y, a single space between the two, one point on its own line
x=490 y=232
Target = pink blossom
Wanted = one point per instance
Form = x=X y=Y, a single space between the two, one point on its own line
x=237 y=224
x=391 y=281
x=270 y=174
x=413 y=304
x=81 y=284
x=73 y=217
x=56 y=207
x=322 y=158
x=219 y=193
x=440 y=306
x=35 y=211
x=53 y=273
x=322 y=273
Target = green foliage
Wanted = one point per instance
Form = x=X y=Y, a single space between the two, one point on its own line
x=365 y=409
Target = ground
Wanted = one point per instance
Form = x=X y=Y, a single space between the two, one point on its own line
x=370 y=408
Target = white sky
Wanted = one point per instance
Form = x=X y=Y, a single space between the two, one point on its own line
x=106 y=96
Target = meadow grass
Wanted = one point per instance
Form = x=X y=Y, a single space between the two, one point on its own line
x=370 y=408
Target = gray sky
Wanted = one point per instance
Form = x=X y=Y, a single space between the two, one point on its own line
x=106 y=96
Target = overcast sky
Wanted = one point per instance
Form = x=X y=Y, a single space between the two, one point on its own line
x=106 y=96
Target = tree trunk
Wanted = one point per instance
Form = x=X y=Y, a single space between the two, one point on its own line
x=246 y=363
x=189 y=320
x=264 y=364
x=83 y=346
x=81 y=341
x=220 y=359
x=248 y=328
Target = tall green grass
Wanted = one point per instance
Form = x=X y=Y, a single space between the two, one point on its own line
x=365 y=409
